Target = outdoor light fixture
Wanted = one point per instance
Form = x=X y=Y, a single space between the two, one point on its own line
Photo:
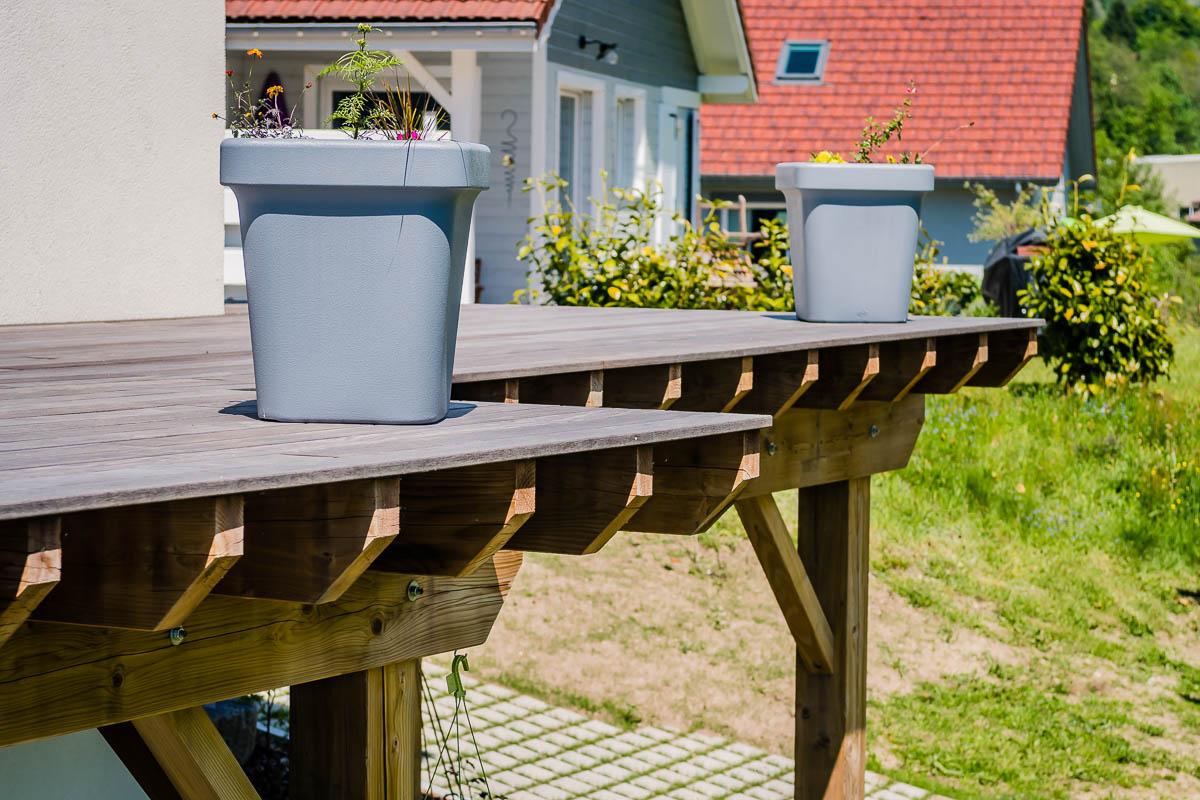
x=607 y=52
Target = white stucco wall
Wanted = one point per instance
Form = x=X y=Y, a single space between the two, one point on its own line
x=110 y=206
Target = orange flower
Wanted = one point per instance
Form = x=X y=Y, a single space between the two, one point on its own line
x=274 y=90
x=254 y=52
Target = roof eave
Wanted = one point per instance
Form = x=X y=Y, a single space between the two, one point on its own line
x=488 y=35
x=718 y=36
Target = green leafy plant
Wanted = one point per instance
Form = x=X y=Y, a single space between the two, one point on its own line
x=361 y=113
x=995 y=219
x=610 y=259
x=941 y=292
x=1105 y=325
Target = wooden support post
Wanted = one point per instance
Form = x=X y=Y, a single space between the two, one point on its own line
x=455 y=520
x=145 y=567
x=790 y=583
x=585 y=498
x=127 y=744
x=716 y=385
x=958 y=359
x=695 y=481
x=564 y=389
x=902 y=364
x=653 y=386
x=358 y=735
x=193 y=755
x=1008 y=353
x=781 y=379
x=234 y=647
x=498 y=391
x=310 y=543
x=834 y=524
x=30 y=565
x=845 y=373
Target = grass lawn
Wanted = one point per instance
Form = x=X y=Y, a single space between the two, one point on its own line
x=1033 y=629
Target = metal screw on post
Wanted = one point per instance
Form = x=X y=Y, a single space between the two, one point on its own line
x=414 y=590
x=772 y=448
x=176 y=636
x=874 y=431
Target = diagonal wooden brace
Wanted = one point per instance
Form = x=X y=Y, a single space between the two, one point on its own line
x=30 y=566
x=789 y=581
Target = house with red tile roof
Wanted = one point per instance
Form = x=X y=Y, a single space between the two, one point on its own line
x=1017 y=69
x=577 y=87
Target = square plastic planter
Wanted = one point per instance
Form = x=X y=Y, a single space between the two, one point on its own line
x=354 y=254
x=853 y=230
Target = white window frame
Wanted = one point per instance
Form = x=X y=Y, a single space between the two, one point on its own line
x=673 y=102
x=818 y=76
x=641 y=150
x=574 y=187
x=570 y=81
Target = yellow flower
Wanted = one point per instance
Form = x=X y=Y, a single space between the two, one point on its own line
x=254 y=52
x=247 y=115
x=214 y=115
x=274 y=90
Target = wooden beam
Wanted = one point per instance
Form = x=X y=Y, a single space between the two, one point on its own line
x=564 y=389
x=310 y=543
x=845 y=373
x=1008 y=353
x=191 y=752
x=780 y=380
x=959 y=358
x=585 y=498
x=127 y=744
x=57 y=679
x=806 y=447
x=358 y=735
x=695 y=481
x=716 y=385
x=831 y=743
x=453 y=521
x=785 y=573
x=145 y=567
x=498 y=391
x=902 y=364
x=30 y=566
x=652 y=386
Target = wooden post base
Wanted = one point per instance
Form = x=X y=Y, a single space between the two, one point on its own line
x=834 y=525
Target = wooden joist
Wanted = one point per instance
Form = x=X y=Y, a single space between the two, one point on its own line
x=806 y=447
x=789 y=582
x=845 y=373
x=959 y=358
x=1008 y=353
x=190 y=750
x=144 y=567
x=585 y=498
x=902 y=364
x=717 y=385
x=652 y=386
x=563 y=389
x=453 y=521
x=780 y=380
x=30 y=566
x=93 y=677
x=695 y=480
x=309 y=544
x=358 y=735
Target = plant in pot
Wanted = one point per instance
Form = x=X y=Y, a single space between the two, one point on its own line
x=354 y=251
x=854 y=226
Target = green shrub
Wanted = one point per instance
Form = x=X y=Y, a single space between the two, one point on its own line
x=1104 y=325
x=608 y=259
x=943 y=292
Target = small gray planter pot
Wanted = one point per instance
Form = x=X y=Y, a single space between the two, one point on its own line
x=354 y=254
x=853 y=230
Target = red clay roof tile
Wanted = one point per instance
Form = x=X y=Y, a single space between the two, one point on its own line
x=1006 y=65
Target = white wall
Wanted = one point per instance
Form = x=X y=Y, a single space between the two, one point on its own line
x=78 y=766
x=110 y=206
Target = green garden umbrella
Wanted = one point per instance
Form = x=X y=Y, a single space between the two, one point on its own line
x=1148 y=227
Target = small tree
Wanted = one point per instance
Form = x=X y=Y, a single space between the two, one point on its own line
x=996 y=220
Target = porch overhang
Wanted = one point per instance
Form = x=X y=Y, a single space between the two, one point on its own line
x=719 y=43
x=495 y=37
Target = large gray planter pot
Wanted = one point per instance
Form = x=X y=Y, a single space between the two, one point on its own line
x=354 y=254
x=853 y=230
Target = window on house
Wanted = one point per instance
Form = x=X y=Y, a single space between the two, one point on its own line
x=801 y=62
x=568 y=142
x=626 y=142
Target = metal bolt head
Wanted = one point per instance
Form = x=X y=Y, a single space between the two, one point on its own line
x=414 y=590
x=874 y=431
x=772 y=448
x=176 y=636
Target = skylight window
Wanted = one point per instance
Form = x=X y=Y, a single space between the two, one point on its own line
x=801 y=62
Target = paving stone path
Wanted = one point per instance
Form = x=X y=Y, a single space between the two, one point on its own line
x=533 y=751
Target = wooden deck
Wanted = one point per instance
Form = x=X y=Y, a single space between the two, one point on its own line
x=140 y=495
